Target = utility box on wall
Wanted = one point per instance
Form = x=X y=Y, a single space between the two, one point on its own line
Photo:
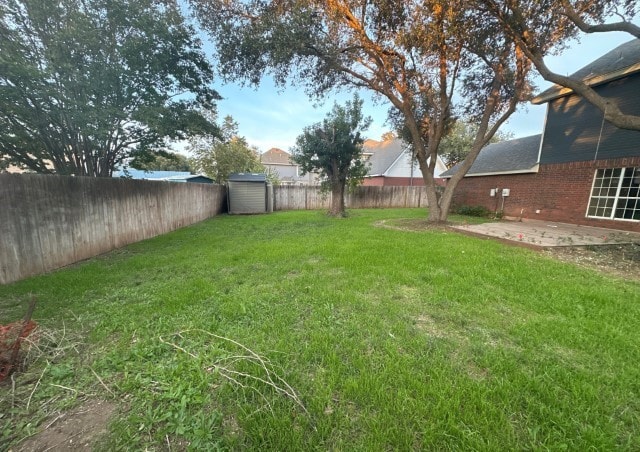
x=249 y=193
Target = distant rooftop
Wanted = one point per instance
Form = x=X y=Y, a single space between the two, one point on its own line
x=275 y=156
x=382 y=154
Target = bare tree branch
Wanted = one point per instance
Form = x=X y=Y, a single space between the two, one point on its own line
x=625 y=26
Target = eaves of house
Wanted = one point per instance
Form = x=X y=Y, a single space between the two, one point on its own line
x=620 y=62
x=518 y=156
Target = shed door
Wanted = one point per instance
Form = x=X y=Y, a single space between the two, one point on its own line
x=247 y=197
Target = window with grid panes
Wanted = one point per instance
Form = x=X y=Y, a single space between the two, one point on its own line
x=615 y=194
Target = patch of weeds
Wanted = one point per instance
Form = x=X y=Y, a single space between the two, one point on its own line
x=474 y=211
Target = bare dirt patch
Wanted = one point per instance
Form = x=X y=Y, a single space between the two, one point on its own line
x=622 y=260
x=414 y=225
x=77 y=429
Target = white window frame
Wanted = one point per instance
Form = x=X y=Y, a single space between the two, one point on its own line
x=616 y=197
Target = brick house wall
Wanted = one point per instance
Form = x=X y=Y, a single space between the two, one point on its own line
x=559 y=192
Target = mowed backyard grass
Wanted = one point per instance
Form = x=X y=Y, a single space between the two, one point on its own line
x=294 y=331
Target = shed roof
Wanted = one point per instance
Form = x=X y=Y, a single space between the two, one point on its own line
x=247 y=177
x=512 y=156
x=621 y=61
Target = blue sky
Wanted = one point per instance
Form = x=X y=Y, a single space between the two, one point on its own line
x=269 y=117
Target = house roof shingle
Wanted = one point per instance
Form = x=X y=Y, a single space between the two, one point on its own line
x=623 y=60
x=275 y=156
x=512 y=156
x=383 y=154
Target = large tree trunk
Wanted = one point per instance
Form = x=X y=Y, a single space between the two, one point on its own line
x=337 y=199
x=435 y=213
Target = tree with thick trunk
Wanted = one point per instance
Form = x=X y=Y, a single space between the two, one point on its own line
x=333 y=148
x=432 y=62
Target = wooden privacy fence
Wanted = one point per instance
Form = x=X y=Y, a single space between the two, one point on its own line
x=47 y=222
x=364 y=197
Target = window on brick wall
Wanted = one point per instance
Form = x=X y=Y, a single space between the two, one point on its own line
x=615 y=194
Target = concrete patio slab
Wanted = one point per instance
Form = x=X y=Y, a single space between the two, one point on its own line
x=548 y=234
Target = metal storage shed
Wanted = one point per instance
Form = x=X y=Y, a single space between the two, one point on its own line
x=249 y=193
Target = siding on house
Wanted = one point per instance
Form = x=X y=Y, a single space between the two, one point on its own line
x=383 y=181
x=390 y=164
x=279 y=162
x=575 y=130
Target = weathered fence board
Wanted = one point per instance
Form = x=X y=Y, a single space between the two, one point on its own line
x=47 y=222
x=304 y=197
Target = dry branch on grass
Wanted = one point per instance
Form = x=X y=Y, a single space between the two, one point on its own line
x=223 y=366
x=30 y=393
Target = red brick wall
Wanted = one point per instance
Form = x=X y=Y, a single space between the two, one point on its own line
x=398 y=181
x=560 y=192
x=377 y=181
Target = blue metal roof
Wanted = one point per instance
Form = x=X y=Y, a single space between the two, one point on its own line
x=142 y=174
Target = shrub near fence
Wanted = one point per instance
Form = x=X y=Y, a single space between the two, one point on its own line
x=363 y=197
x=47 y=222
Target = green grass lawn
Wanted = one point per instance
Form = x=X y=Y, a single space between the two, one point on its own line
x=294 y=331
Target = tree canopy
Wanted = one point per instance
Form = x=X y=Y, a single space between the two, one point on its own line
x=218 y=157
x=432 y=61
x=86 y=83
x=455 y=146
x=161 y=161
x=333 y=148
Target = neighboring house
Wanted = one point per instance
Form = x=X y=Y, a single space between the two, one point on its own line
x=586 y=170
x=391 y=163
x=279 y=162
x=167 y=176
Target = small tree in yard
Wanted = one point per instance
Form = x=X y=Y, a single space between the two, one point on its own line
x=220 y=157
x=333 y=148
